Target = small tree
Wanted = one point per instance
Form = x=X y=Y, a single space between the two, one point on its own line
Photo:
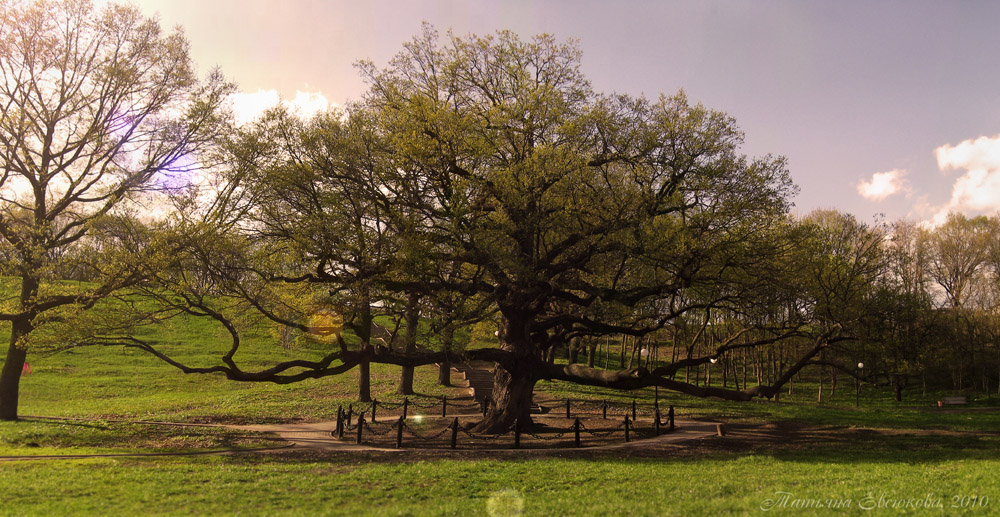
x=95 y=106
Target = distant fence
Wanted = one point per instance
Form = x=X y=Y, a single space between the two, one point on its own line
x=572 y=406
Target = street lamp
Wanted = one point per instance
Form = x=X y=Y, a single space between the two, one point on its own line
x=857 y=403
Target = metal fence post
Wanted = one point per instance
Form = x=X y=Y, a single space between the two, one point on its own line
x=374 y=405
x=605 y=411
x=361 y=425
x=657 y=425
x=670 y=416
x=567 y=408
x=633 y=409
x=406 y=406
x=576 y=431
x=454 y=432
x=444 y=406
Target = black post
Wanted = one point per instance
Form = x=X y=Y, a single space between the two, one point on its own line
x=444 y=406
x=350 y=413
x=657 y=424
x=341 y=424
x=361 y=425
x=374 y=405
x=454 y=432
x=626 y=430
x=399 y=432
x=670 y=416
x=340 y=415
x=657 y=399
x=576 y=431
x=633 y=409
x=406 y=405
x=517 y=435
x=605 y=409
x=567 y=408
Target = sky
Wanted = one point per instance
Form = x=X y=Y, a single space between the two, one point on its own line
x=888 y=108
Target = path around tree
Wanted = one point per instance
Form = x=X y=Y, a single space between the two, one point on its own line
x=318 y=436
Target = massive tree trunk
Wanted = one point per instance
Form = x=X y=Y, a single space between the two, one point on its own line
x=511 y=399
x=10 y=377
x=412 y=319
x=514 y=382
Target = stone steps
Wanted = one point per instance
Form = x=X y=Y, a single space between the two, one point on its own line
x=479 y=375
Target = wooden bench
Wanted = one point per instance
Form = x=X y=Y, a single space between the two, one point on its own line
x=952 y=401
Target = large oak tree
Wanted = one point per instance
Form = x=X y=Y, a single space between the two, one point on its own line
x=568 y=212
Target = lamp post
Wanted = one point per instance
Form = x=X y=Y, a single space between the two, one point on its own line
x=857 y=402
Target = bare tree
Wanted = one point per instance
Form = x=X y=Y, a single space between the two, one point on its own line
x=95 y=106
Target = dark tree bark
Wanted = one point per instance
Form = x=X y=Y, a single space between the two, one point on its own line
x=364 y=331
x=412 y=319
x=10 y=377
x=444 y=367
x=364 y=380
x=511 y=399
x=513 y=383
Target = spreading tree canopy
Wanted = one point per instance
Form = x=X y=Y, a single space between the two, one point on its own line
x=485 y=173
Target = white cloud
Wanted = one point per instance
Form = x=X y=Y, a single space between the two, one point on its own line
x=250 y=106
x=883 y=185
x=978 y=189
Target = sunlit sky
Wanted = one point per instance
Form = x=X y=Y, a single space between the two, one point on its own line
x=881 y=107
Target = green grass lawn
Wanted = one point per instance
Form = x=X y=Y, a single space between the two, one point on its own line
x=848 y=468
x=857 y=481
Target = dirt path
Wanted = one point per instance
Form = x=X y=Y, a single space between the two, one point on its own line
x=318 y=436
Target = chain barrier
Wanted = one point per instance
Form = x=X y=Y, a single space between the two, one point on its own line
x=434 y=436
x=399 y=425
x=425 y=406
x=556 y=437
x=602 y=433
x=487 y=436
x=588 y=406
x=372 y=430
x=465 y=406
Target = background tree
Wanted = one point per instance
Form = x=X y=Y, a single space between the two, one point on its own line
x=95 y=106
